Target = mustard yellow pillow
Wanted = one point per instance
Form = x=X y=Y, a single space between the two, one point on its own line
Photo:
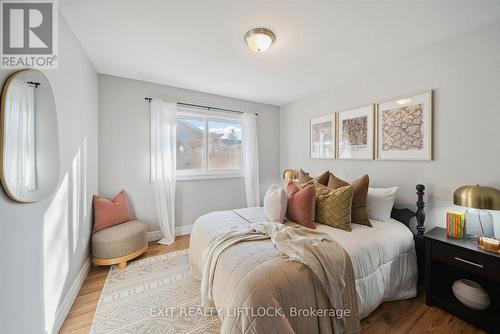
x=360 y=186
x=333 y=206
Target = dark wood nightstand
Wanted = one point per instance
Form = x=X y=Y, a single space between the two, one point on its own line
x=447 y=260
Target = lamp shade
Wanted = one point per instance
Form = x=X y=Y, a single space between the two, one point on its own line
x=477 y=197
x=290 y=174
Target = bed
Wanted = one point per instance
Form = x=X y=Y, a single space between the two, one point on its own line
x=383 y=259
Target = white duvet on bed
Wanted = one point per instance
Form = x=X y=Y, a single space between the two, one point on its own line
x=383 y=259
x=383 y=256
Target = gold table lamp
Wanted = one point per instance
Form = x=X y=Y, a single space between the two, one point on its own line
x=477 y=199
x=290 y=174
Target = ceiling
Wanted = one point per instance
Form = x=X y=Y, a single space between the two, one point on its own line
x=199 y=44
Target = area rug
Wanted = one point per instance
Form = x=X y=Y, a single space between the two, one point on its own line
x=153 y=295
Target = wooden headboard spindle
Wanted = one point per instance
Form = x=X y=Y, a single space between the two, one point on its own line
x=405 y=215
x=420 y=209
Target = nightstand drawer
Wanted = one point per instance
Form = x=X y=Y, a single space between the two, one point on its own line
x=466 y=259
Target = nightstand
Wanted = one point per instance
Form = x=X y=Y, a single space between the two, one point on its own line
x=447 y=260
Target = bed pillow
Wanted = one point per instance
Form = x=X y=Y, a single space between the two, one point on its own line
x=379 y=202
x=360 y=186
x=333 y=206
x=108 y=213
x=275 y=204
x=304 y=177
x=301 y=204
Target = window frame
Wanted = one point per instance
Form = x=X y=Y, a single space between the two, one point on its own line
x=205 y=173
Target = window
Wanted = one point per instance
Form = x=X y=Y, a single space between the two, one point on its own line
x=190 y=143
x=224 y=145
x=208 y=146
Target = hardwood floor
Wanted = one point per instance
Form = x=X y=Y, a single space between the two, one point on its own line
x=407 y=316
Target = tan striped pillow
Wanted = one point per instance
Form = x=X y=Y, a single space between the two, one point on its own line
x=304 y=177
x=333 y=206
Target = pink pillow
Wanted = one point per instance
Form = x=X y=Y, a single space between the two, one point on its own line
x=301 y=203
x=108 y=213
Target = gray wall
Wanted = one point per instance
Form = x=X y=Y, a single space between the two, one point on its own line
x=44 y=245
x=124 y=150
x=465 y=75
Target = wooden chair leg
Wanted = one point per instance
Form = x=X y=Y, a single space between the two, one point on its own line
x=122 y=265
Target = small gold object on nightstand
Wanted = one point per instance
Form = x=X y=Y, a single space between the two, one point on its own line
x=489 y=244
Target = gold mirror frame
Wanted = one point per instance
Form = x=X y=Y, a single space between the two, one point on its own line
x=5 y=90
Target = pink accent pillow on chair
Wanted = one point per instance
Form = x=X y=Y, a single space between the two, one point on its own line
x=301 y=204
x=108 y=213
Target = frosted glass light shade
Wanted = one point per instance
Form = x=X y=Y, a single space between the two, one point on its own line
x=259 y=39
x=478 y=223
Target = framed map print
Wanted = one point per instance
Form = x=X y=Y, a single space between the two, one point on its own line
x=404 y=128
x=322 y=137
x=355 y=133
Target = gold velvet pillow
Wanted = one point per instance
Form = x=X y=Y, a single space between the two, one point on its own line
x=333 y=206
x=304 y=177
x=359 y=214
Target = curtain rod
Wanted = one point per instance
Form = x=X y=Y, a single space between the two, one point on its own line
x=149 y=99
x=34 y=83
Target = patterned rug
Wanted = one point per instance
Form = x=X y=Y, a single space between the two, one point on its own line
x=153 y=295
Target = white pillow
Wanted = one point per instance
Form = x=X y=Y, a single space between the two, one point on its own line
x=275 y=203
x=379 y=202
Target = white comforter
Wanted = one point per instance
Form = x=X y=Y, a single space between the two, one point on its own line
x=383 y=259
x=383 y=256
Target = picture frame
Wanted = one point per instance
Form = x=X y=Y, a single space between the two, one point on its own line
x=322 y=137
x=404 y=128
x=356 y=133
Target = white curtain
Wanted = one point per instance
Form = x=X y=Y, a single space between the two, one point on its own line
x=251 y=159
x=163 y=165
x=20 y=154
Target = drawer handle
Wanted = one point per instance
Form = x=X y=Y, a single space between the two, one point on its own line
x=469 y=262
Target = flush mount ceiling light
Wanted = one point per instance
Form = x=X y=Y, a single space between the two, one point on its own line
x=259 y=39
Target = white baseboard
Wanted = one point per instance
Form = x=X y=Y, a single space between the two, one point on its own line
x=179 y=230
x=183 y=230
x=154 y=235
x=63 y=309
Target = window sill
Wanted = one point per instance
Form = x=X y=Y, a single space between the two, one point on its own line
x=187 y=177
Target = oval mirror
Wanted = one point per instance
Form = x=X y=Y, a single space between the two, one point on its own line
x=29 y=140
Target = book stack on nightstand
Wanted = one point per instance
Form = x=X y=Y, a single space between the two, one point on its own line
x=448 y=260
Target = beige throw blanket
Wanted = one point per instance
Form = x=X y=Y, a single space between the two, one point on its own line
x=327 y=260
